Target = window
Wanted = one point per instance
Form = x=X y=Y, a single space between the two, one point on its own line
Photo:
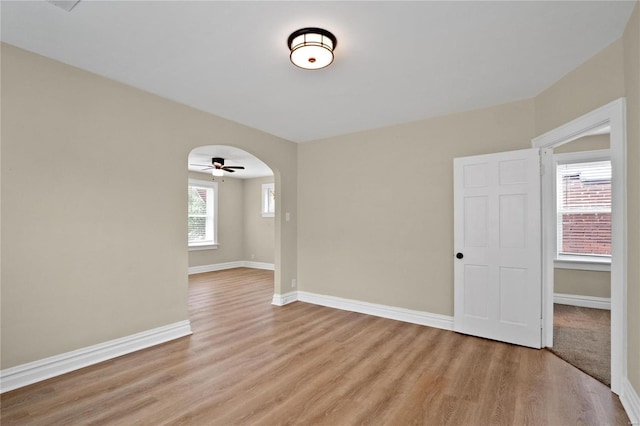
x=583 y=190
x=202 y=214
x=268 y=200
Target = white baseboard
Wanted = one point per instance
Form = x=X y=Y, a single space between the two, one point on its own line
x=284 y=299
x=230 y=265
x=215 y=267
x=400 y=314
x=36 y=371
x=583 y=301
x=630 y=402
x=259 y=265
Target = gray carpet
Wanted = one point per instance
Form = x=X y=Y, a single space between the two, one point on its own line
x=582 y=337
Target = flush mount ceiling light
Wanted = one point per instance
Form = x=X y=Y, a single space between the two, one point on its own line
x=312 y=48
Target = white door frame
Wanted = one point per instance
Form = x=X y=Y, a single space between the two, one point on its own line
x=613 y=115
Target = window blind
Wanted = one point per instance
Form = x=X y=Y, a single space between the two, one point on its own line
x=584 y=208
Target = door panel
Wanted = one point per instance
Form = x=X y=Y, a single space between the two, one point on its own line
x=475 y=221
x=476 y=288
x=512 y=222
x=497 y=230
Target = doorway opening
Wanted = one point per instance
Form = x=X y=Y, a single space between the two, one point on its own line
x=582 y=277
x=228 y=227
x=611 y=116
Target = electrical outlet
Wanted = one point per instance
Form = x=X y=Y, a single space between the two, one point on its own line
x=253 y=256
x=294 y=283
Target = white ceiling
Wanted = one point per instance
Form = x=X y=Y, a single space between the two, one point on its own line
x=395 y=61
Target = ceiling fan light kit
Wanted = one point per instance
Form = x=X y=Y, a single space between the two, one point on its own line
x=218 y=168
x=312 y=48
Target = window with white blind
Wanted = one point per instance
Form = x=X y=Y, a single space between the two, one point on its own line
x=202 y=214
x=583 y=190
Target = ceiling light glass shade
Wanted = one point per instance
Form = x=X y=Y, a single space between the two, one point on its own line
x=217 y=172
x=312 y=48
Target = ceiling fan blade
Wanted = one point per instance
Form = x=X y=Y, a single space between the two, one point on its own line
x=234 y=167
x=228 y=170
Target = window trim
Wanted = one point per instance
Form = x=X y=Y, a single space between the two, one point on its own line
x=576 y=261
x=264 y=203
x=206 y=245
x=585 y=263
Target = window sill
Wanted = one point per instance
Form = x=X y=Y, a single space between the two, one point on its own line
x=584 y=263
x=268 y=214
x=196 y=247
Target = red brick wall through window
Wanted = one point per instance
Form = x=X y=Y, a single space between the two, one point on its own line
x=586 y=233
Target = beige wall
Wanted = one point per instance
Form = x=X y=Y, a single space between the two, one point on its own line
x=582 y=283
x=378 y=227
x=595 y=83
x=230 y=223
x=94 y=206
x=632 y=82
x=259 y=231
x=586 y=143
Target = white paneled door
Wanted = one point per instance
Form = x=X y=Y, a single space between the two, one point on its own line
x=497 y=243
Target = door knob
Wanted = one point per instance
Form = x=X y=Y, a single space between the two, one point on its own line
x=459 y=255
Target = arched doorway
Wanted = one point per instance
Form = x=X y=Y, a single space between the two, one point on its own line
x=232 y=210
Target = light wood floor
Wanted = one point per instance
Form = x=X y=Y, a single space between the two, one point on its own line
x=249 y=362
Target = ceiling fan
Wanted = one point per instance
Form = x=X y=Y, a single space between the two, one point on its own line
x=218 y=168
